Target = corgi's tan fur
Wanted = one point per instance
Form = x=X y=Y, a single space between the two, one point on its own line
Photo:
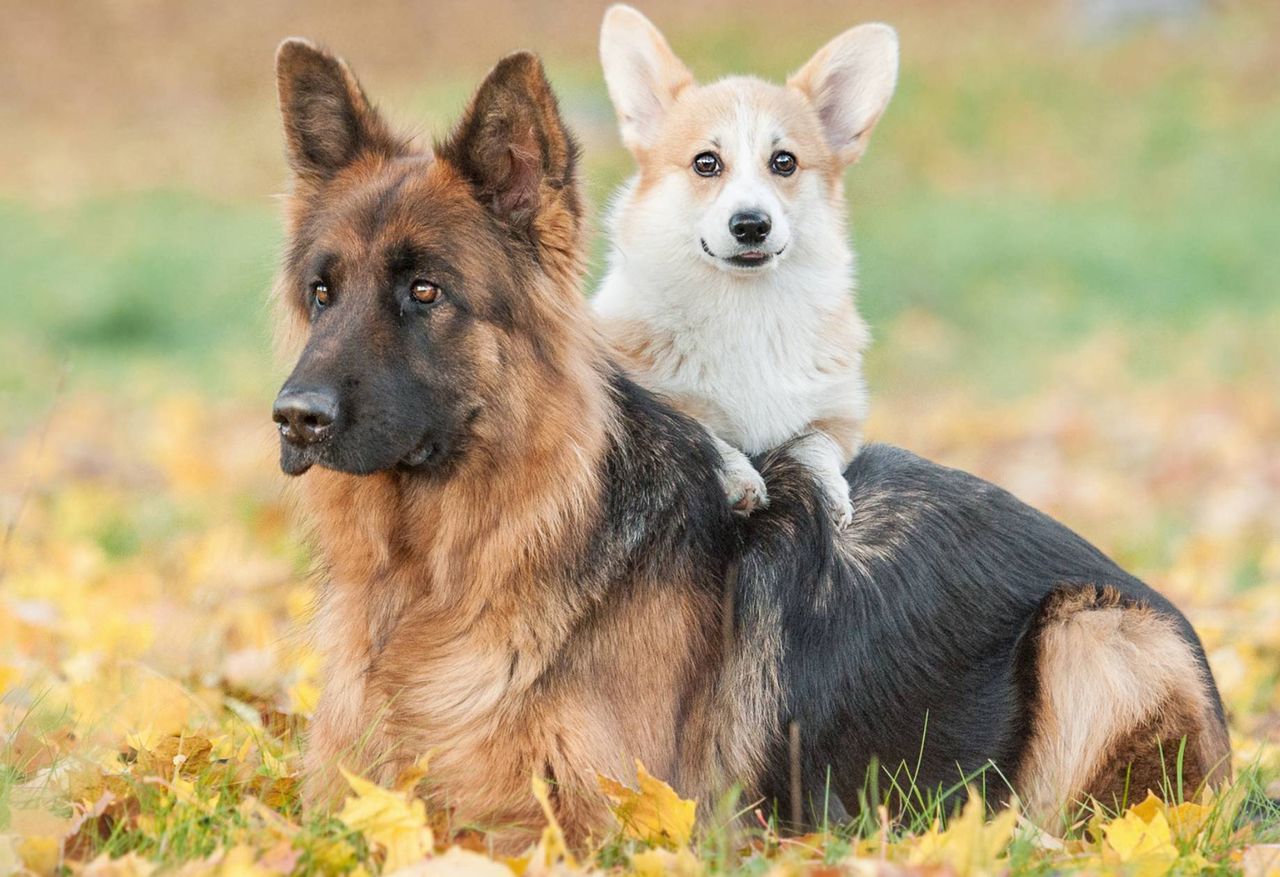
x=758 y=338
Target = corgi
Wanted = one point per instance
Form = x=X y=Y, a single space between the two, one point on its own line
x=730 y=285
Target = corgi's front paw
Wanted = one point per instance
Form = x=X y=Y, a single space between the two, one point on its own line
x=835 y=497
x=743 y=486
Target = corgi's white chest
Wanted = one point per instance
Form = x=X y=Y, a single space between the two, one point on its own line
x=754 y=363
x=759 y=387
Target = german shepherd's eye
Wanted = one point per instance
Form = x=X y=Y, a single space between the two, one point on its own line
x=424 y=292
x=783 y=164
x=320 y=295
x=707 y=164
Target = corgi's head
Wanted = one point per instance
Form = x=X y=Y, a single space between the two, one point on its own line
x=741 y=174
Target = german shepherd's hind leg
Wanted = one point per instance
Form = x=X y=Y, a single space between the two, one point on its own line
x=1120 y=704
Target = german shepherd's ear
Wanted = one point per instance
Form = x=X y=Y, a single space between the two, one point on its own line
x=513 y=148
x=328 y=121
x=849 y=81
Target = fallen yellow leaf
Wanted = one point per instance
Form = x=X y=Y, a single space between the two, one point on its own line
x=389 y=819
x=655 y=814
x=241 y=861
x=1186 y=819
x=660 y=863
x=552 y=847
x=303 y=696
x=128 y=865
x=1261 y=860
x=455 y=862
x=134 y=704
x=39 y=837
x=40 y=853
x=970 y=845
x=9 y=676
x=409 y=778
x=1145 y=846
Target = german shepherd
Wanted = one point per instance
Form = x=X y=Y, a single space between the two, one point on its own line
x=530 y=567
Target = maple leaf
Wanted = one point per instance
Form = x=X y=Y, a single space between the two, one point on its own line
x=970 y=845
x=135 y=705
x=552 y=847
x=408 y=778
x=392 y=820
x=661 y=863
x=1145 y=846
x=40 y=836
x=1186 y=819
x=655 y=814
x=175 y=755
x=455 y=862
x=9 y=676
x=128 y=865
x=1260 y=860
x=241 y=861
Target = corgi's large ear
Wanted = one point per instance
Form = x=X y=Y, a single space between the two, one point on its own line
x=850 y=81
x=514 y=149
x=643 y=75
x=328 y=121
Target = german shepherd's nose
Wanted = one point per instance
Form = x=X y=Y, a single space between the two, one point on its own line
x=305 y=416
x=750 y=226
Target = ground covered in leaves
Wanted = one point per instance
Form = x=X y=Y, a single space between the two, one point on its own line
x=1067 y=254
x=156 y=688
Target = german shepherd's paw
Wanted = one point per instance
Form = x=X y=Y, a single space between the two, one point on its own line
x=743 y=486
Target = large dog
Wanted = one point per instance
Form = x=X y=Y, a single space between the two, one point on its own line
x=530 y=566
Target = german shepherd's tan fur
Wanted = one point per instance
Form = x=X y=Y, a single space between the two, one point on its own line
x=443 y=617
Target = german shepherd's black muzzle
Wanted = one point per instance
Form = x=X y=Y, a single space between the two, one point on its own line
x=362 y=408
x=305 y=417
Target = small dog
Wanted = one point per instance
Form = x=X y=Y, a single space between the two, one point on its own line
x=730 y=287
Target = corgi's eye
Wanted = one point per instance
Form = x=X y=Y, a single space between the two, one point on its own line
x=424 y=292
x=783 y=164
x=707 y=164
x=320 y=295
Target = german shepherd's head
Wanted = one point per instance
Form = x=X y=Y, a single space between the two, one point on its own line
x=435 y=292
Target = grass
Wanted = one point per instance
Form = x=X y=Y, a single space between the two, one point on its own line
x=177 y=282
x=1023 y=192
x=123 y=288
x=1066 y=255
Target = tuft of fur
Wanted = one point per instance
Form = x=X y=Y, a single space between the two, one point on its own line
x=760 y=354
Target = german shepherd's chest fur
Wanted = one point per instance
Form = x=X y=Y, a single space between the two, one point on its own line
x=562 y=663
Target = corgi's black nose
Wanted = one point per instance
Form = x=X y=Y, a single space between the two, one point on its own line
x=305 y=416
x=750 y=226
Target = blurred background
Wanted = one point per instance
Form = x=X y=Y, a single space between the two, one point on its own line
x=1069 y=241
x=1046 y=171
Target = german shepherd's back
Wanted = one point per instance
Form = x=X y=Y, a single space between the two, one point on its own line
x=530 y=567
